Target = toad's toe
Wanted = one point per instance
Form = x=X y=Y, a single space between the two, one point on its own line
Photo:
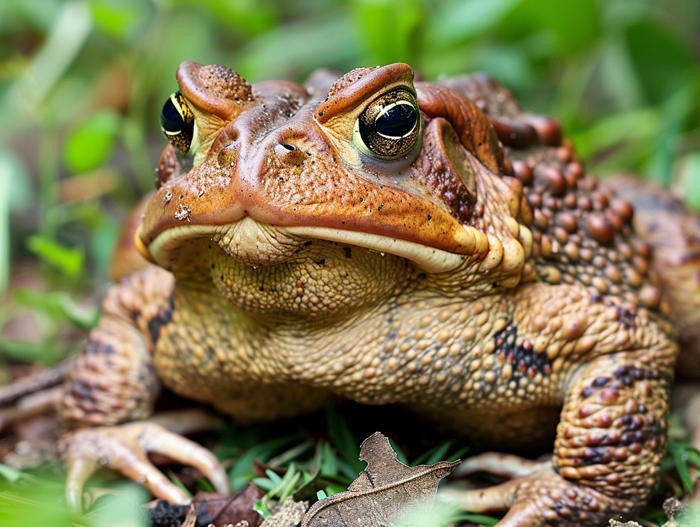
x=125 y=449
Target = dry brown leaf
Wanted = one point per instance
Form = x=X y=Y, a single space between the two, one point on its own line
x=219 y=510
x=225 y=510
x=386 y=493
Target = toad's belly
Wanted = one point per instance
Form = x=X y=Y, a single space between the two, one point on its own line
x=234 y=387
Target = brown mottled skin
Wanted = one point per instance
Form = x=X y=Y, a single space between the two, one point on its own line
x=481 y=278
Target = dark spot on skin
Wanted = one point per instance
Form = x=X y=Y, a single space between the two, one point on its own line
x=524 y=359
x=598 y=382
x=348 y=252
x=97 y=348
x=587 y=392
x=213 y=266
x=322 y=261
x=306 y=244
x=362 y=199
x=429 y=217
x=320 y=114
x=628 y=375
x=626 y=317
x=80 y=389
x=595 y=456
x=162 y=318
x=380 y=207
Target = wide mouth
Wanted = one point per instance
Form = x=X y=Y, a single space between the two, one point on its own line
x=258 y=244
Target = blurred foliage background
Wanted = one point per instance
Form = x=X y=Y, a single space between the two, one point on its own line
x=82 y=83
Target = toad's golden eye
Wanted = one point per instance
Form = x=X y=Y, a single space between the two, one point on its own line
x=177 y=122
x=390 y=126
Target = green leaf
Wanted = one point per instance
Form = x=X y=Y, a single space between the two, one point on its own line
x=243 y=467
x=662 y=63
x=335 y=489
x=69 y=32
x=118 y=18
x=295 y=49
x=479 y=519
x=689 y=179
x=575 y=26
x=682 y=468
x=321 y=481
x=343 y=438
x=5 y=192
x=676 y=110
x=264 y=483
x=91 y=143
x=390 y=29
x=11 y=474
x=328 y=461
x=683 y=455
x=458 y=21
x=67 y=260
x=633 y=125
x=25 y=351
x=250 y=17
x=273 y=476
x=122 y=507
x=58 y=304
x=261 y=507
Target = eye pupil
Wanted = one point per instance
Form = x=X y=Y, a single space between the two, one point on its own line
x=170 y=119
x=389 y=127
x=397 y=121
x=177 y=122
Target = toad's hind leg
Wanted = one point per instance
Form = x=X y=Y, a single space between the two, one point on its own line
x=609 y=444
x=112 y=388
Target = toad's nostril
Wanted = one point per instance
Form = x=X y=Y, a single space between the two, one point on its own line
x=289 y=154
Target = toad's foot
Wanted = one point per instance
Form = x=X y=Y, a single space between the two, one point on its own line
x=538 y=499
x=504 y=465
x=125 y=448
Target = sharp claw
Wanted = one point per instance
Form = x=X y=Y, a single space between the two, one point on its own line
x=498 y=498
x=505 y=465
x=124 y=449
x=188 y=452
x=80 y=468
x=220 y=480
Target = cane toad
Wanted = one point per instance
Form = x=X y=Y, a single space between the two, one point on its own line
x=388 y=241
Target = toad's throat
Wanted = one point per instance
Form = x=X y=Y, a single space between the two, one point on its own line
x=258 y=244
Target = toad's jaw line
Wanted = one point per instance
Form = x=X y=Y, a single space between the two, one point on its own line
x=428 y=259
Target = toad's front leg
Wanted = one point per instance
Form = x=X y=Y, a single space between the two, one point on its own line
x=111 y=390
x=609 y=444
